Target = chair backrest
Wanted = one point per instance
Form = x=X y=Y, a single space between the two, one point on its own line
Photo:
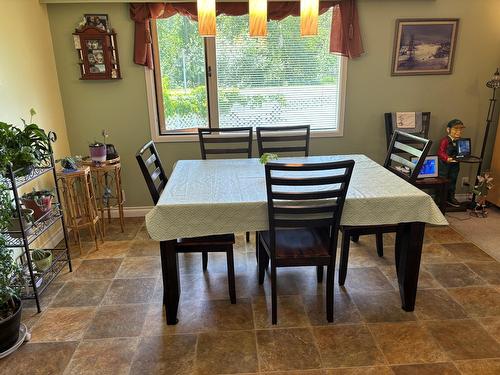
x=307 y=196
x=225 y=141
x=402 y=148
x=284 y=139
x=152 y=170
x=389 y=126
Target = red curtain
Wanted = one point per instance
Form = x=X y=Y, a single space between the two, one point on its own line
x=345 y=36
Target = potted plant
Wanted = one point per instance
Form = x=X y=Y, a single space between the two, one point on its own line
x=40 y=201
x=41 y=258
x=24 y=148
x=10 y=283
x=69 y=164
x=14 y=226
x=267 y=157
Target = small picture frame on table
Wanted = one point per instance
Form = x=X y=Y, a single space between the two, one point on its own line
x=424 y=46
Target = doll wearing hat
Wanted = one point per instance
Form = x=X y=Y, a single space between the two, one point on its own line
x=449 y=167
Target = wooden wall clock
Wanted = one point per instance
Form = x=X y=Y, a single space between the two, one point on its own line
x=97 y=52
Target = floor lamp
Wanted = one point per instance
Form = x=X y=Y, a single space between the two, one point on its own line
x=493 y=84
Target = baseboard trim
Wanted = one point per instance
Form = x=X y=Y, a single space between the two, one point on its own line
x=139 y=211
x=54 y=239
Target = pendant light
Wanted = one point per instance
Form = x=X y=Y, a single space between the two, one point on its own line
x=309 y=11
x=206 y=17
x=257 y=10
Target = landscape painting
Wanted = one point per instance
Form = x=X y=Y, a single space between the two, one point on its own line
x=424 y=46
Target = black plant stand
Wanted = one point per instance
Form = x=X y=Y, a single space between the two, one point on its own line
x=37 y=281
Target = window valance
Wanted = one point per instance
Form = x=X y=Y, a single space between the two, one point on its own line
x=345 y=36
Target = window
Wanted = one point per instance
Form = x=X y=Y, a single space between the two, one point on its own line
x=235 y=80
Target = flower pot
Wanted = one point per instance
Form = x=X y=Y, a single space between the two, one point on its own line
x=39 y=208
x=43 y=264
x=98 y=153
x=9 y=328
x=15 y=227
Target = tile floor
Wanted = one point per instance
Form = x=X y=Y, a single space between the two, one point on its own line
x=106 y=317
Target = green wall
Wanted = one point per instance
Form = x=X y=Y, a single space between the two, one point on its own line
x=121 y=106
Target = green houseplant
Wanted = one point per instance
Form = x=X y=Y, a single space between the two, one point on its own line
x=10 y=282
x=40 y=201
x=41 y=258
x=24 y=148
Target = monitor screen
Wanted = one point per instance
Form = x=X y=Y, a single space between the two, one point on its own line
x=464 y=146
x=429 y=168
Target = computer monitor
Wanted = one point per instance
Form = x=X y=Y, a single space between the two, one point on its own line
x=464 y=147
x=429 y=168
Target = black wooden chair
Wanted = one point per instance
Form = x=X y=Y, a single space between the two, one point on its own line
x=390 y=128
x=402 y=148
x=304 y=216
x=226 y=141
x=284 y=139
x=156 y=180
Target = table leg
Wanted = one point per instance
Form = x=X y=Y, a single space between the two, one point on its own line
x=171 y=282
x=410 y=238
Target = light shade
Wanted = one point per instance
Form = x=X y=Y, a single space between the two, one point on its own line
x=257 y=11
x=309 y=11
x=206 y=17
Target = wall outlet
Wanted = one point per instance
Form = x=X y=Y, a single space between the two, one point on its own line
x=465 y=181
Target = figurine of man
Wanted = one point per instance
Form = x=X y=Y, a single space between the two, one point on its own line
x=449 y=167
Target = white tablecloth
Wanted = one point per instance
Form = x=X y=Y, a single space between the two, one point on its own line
x=218 y=196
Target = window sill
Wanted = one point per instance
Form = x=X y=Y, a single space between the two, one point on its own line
x=173 y=138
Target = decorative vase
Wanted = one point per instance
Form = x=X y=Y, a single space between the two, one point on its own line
x=9 y=328
x=98 y=152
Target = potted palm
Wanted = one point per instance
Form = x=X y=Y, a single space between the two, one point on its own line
x=10 y=282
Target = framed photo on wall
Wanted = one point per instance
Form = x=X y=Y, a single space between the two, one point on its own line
x=424 y=46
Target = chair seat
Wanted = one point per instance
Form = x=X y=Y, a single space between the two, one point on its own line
x=300 y=242
x=218 y=239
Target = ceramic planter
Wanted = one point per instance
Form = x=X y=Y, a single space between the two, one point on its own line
x=40 y=206
x=98 y=152
x=43 y=264
x=9 y=328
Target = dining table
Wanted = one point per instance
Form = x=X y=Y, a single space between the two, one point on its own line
x=219 y=196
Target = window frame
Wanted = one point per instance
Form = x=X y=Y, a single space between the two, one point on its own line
x=155 y=96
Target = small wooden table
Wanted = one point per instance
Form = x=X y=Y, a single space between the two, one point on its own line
x=80 y=203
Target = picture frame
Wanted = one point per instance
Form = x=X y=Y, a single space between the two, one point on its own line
x=99 y=21
x=424 y=46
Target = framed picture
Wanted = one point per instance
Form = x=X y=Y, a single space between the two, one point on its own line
x=99 y=21
x=424 y=46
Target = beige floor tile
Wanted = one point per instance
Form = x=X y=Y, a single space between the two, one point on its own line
x=141 y=248
x=381 y=307
x=443 y=235
x=103 y=357
x=344 y=309
x=287 y=349
x=226 y=353
x=437 y=304
x=94 y=269
x=463 y=339
x=467 y=252
x=425 y=279
x=379 y=370
x=419 y=347
x=134 y=267
x=347 y=346
x=369 y=279
x=173 y=354
x=492 y=326
x=452 y=275
x=478 y=301
x=291 y=312
x=437 y=253
x=63 y=324
x=117 y=321
x=39 y=359
x=110 y=249
x=426 y=369
x=81 y=293
x=123 y=291
x=489 y=271
x=483 y=367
